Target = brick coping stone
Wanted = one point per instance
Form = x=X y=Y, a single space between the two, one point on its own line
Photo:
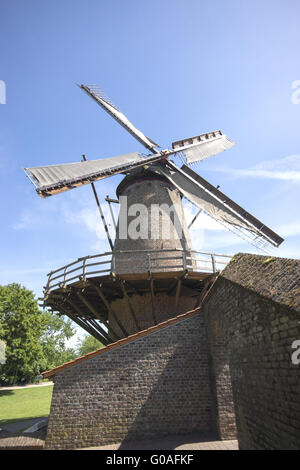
x=21 y=443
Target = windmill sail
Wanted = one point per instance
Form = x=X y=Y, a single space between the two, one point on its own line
x=54 y=179
x=216 y=204
x=203 y=146
x=104 y=102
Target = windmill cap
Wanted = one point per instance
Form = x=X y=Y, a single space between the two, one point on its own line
x=137 y=176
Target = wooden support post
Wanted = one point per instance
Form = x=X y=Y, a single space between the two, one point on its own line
x=129 y=304
x=206 y=284
x=198 y=213
x=129 y=284
x=152 y=300
x=213 y=262
x=94 y=311
x=173 y=285
x=109 y=308
x=178 y=289
x=182 y=276
x=89 y=306
x=95 y=325
x=92 y=329
x=101 y=213
x=83 y=325
x=109 y=201
x=77 y=309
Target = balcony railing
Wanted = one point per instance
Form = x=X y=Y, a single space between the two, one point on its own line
x=145 y=260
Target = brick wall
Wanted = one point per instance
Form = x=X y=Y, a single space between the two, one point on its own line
x=254 y=307
x=153 y=386
x=223 y=407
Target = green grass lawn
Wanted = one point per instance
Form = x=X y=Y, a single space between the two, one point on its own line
x=19 y=404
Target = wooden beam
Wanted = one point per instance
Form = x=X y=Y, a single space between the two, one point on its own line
x=89 y=306
x=191 y=223
x=206 y=284
x=152 y=300
x=129 y=284
x=94 y=324
x=109 y=308
x=93 y=330
x=94 y=311
x=174 y=284
x=108 y=290
x=129 y=304
x=178 y=289
x=83 y=325
x=77 y=309
x=109 y=200
x=101 y=213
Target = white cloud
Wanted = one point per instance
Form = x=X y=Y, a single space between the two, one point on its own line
x=41 y=214
x=28 y=219
x=287 y=168
x=289 y=230
x=89 y=218
x=70 y=207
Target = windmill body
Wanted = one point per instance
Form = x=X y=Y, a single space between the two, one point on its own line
x=160 y=224
x=152 y=272
x=161 y=235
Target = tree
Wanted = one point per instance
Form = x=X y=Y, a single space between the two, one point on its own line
x=57 y=331
x=88 y=344
x=2 y=345
x=34 y=339
x=21 y=328
x=2 y=352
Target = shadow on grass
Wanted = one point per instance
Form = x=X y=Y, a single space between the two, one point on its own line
x=26 y=421
x=6 y=392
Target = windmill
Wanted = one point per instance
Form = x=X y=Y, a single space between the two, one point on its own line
x=145 y=278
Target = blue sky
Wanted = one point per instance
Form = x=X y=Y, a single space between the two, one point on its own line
x=176 y=69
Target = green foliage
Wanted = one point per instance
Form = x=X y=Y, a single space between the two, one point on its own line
x=21 y=328
x=2 y=352
x=57 y=331
x=1 y=325
x=35 y=340
x=88 y=344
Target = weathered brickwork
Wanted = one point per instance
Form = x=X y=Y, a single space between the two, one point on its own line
x=151 y=387
x=223 y=407
x=184 y=377
x=277 y=279
x=253 y=305
x=147 y=188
